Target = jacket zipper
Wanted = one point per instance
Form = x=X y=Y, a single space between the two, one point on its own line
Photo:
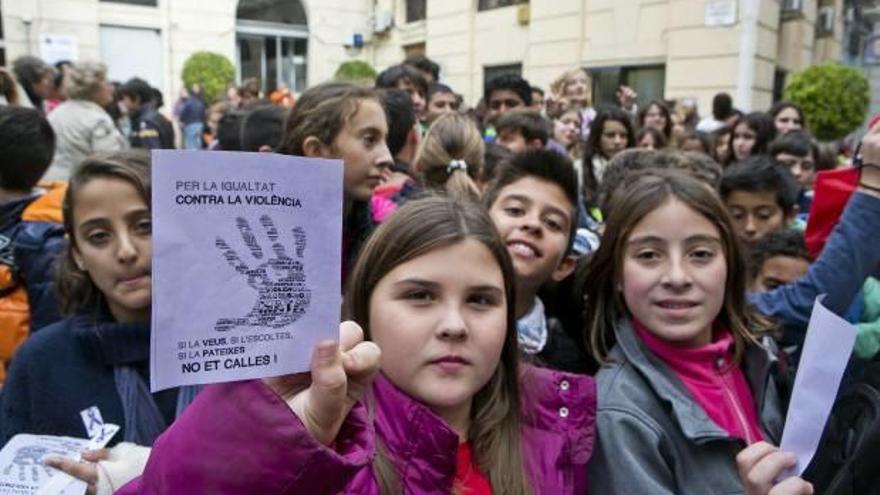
x=740 y=416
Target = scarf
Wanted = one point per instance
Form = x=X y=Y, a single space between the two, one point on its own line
x=125 y=347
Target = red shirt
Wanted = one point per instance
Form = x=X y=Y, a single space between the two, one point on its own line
x=468 y=478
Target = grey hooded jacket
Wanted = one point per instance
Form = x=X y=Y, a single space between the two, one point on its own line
x=653 y=436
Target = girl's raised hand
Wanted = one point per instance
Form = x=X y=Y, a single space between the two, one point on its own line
x=339 y=375
x=760 y=463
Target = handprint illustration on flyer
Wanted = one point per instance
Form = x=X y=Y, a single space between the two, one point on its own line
x=246 y=264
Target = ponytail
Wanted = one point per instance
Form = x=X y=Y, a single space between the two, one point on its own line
x=451 y=157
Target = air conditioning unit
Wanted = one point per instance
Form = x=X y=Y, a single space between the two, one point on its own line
x=825 y=21
x=792 y=9
x=792 y=6
x=383 y=20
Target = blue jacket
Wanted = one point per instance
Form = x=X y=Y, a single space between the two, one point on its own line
x=37 y=248
x=850 y=256
x=61 y=370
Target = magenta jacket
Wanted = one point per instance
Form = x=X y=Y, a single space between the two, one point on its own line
x=241 y=438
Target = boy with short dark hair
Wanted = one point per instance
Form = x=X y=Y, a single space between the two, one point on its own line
x=533 y=202
x=404 y=136
x=797 y=151
x=148 y=129
x=430 y=70
x=31 y=233
x=229 y=130
x=760 y=195
x=521 y=130
x=441 y=100
x=504 y=93
x=262 y=128
x=779 y=258
x=408 y=79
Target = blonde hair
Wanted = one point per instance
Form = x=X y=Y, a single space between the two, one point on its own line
x=452 y=139
x=82 y=81
x=557 y=87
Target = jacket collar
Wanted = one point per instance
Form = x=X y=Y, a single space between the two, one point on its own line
x=693 y=420
x=421 y=445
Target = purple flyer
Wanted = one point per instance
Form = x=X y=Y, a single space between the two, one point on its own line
x=246 y=264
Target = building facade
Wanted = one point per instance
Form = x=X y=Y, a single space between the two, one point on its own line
x=662 y=48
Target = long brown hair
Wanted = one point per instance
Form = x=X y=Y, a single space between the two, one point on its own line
x=76 y=291
x=418 y=227
x=604 y=304
x=322 y=111
x=451 y=137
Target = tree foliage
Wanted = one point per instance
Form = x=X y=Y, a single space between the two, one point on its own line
x=355 y=71
x=834 y=99
x=212 y=71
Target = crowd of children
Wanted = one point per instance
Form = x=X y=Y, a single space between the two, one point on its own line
x=542 y=295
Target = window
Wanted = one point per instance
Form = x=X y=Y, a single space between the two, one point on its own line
x=647 y=81
x=416 y=10
x=779 y=77
x=494 y=4
x=145 y=3
x=276 y=11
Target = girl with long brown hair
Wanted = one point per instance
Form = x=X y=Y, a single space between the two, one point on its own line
x=686 y=381
x=450 y=410
x=98 y=355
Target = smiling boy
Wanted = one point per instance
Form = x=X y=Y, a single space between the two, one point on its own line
x=533 y=204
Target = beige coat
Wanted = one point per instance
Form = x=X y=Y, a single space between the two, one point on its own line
x=81 y=129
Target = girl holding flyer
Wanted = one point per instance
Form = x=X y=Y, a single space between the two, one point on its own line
x=98 y=355
x=687 y=383
x=450 y=411
x=330 y=121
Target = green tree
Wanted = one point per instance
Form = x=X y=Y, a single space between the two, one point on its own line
x=212 y=71
x=834 y=99
x=355 y=71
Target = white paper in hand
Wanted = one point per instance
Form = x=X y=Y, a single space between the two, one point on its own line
x=826 y=352
x=22 y=471
x=100 y=434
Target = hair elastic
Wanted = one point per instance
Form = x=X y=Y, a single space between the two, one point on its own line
x=456 y=165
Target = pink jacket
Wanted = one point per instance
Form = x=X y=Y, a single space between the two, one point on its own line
x=240 y=438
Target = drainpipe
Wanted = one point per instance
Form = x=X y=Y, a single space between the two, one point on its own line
x=748 y=51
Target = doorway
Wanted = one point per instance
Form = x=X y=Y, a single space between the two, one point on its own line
x=272 y=44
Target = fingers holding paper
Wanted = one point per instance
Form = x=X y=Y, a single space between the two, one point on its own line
x=339 y=375
x=760 y=464
x=81 y=470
